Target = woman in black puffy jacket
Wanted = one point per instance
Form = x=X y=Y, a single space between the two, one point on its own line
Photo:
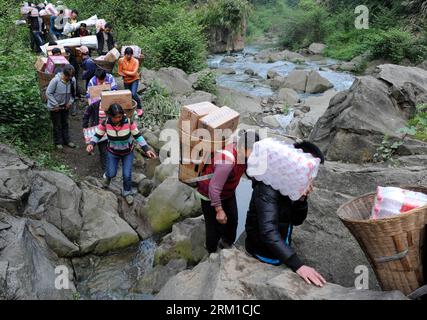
x=270 y=221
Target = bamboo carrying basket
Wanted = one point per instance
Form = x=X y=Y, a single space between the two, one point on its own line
x=105 y=65
x=394 y=246
x=44 y=79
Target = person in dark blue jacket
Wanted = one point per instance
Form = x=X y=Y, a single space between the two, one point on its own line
x=88 y=65
x=270 y=221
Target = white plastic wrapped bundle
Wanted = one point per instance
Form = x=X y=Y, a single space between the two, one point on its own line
x=90 y=41
x=51 y=9
x=100 y=24
x=391 y=201
x=283 y=167
x=71 y=27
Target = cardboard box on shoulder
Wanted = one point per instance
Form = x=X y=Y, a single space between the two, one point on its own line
x=220 y=123
x=112 y=56
x=192 y=113
x=41 y=64
x=95 y=91
x=54 y=63
x=121 y=97
x=50 y=48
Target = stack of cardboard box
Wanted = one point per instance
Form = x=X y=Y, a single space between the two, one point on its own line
x=204 y=129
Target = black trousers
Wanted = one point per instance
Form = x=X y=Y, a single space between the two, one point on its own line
x=216 y=231
x=61 y=133
x=102 y=147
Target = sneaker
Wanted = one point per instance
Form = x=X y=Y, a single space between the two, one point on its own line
x=71 y=145
x=59 y=147
x=105 y=181
x=129 y=199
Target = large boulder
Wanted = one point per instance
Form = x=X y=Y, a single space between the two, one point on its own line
x=154 y=280
x=196 y=97
x=186 y=241
x=28 y=266
x=316 y=83
x=274 y=56
x=55 y=198
x=317 y=48
x=55 y=239
x=164 y=171
x=134 y=215
x=307 y=81
x=170 y=202
x=288 y=96
x=243 y=103
x=297 y=80
x=231 y=274
x=371 y=108
x=103 y=230
x=15 y=174
x=317 y=105
x=174 y=80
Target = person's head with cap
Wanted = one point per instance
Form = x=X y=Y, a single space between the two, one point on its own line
x=85 y=52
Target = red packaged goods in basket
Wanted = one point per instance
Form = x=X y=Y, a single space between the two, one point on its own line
x=391 y=201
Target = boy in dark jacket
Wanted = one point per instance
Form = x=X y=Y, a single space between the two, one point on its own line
x=270 y=221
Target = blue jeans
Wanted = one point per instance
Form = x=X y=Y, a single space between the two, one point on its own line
x=38 y=39
x=133 y=87
x=112 y=166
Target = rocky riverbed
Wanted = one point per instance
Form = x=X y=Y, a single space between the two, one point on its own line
x=113 y=251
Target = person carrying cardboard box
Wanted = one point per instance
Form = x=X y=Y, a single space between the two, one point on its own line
x=129 y=70
x=101 y=77
x=217 y=193
x=121 y=134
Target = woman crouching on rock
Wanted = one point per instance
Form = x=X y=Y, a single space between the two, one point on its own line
x=121 y=134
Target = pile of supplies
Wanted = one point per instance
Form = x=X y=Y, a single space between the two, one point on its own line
x=283 y=167
x=392 y=201
x=196 y=145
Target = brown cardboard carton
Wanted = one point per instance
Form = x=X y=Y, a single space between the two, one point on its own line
x=222 y=119
x=112 y=56
x=193 y=113
x=95 y=91
x=40 y=63
x=121 y=97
